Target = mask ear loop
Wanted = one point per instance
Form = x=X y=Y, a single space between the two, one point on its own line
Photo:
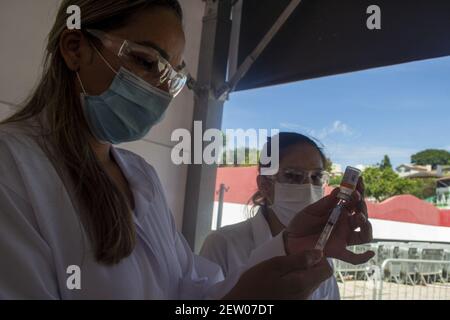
x=81 y=83
x=104 y=59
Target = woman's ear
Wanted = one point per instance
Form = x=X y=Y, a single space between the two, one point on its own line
x=72 y=44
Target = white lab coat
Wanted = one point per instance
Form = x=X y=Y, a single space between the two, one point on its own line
x=230 y=247
x=41 y=236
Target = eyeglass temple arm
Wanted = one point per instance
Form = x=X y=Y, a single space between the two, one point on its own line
x=193 y=85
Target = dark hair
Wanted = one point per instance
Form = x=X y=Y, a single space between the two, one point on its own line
x=286 y=141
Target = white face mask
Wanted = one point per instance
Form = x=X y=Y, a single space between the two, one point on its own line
x=290 y=199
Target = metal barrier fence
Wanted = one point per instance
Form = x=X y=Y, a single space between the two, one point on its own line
x=395 y=279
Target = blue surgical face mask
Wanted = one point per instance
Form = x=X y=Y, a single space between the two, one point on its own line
x=127 y=110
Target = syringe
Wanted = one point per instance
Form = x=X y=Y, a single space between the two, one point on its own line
x=348 y=185
x=325 y=235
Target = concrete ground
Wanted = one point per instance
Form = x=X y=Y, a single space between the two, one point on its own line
x=364 y=290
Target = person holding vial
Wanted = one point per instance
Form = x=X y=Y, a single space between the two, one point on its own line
x=278 y=200
x=348 y=185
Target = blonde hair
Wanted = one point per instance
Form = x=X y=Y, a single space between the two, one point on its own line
x=107 y=218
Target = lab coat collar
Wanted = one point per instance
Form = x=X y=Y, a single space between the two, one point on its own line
x=138 y=179
x=260 y=228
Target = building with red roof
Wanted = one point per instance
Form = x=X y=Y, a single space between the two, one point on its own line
x=402 y=217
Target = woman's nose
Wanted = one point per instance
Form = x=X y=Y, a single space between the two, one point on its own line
x=164 y=86
x=307 y=179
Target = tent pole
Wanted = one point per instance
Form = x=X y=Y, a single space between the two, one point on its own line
x=201 y=178
x=223 y=92
x=235 y=37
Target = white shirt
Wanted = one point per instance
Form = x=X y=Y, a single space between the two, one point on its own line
x=230 y=247
x=41 y=235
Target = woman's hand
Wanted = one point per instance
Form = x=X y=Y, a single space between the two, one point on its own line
x=304 y=230
x=294 y=276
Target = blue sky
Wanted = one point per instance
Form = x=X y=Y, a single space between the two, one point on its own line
x=359 y=116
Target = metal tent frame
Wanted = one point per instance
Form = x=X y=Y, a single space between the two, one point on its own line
x=217 y=77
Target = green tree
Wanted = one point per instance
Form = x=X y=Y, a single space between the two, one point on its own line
x=386 y=163
x=422 y=188
x=335 y=181
x=379 y=183
x=224 y=151
x=385 y=183
x=250 y=155
x=431 y=156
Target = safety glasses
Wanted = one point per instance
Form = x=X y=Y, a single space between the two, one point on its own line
x=145 y=62
x=295 y=176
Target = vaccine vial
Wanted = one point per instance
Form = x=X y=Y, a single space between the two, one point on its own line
x=349 y=183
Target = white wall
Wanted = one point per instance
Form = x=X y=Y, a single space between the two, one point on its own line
x=24 y=25
x=5 y=110
x=232 y=213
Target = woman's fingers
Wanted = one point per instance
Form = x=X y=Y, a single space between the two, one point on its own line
x=297 y=262
x=353 y=203
x=364 y=235
x=356 y=203
x=301 y=284
x=313 y=218
x=362 y=207
x=355 y=258
x=280 y=277
x=360 y=187
x=357 y=238
x=323 y=207
x=316 y=275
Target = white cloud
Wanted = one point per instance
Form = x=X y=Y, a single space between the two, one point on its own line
x=359 y=153
x=340 y=127
x=337 y=127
